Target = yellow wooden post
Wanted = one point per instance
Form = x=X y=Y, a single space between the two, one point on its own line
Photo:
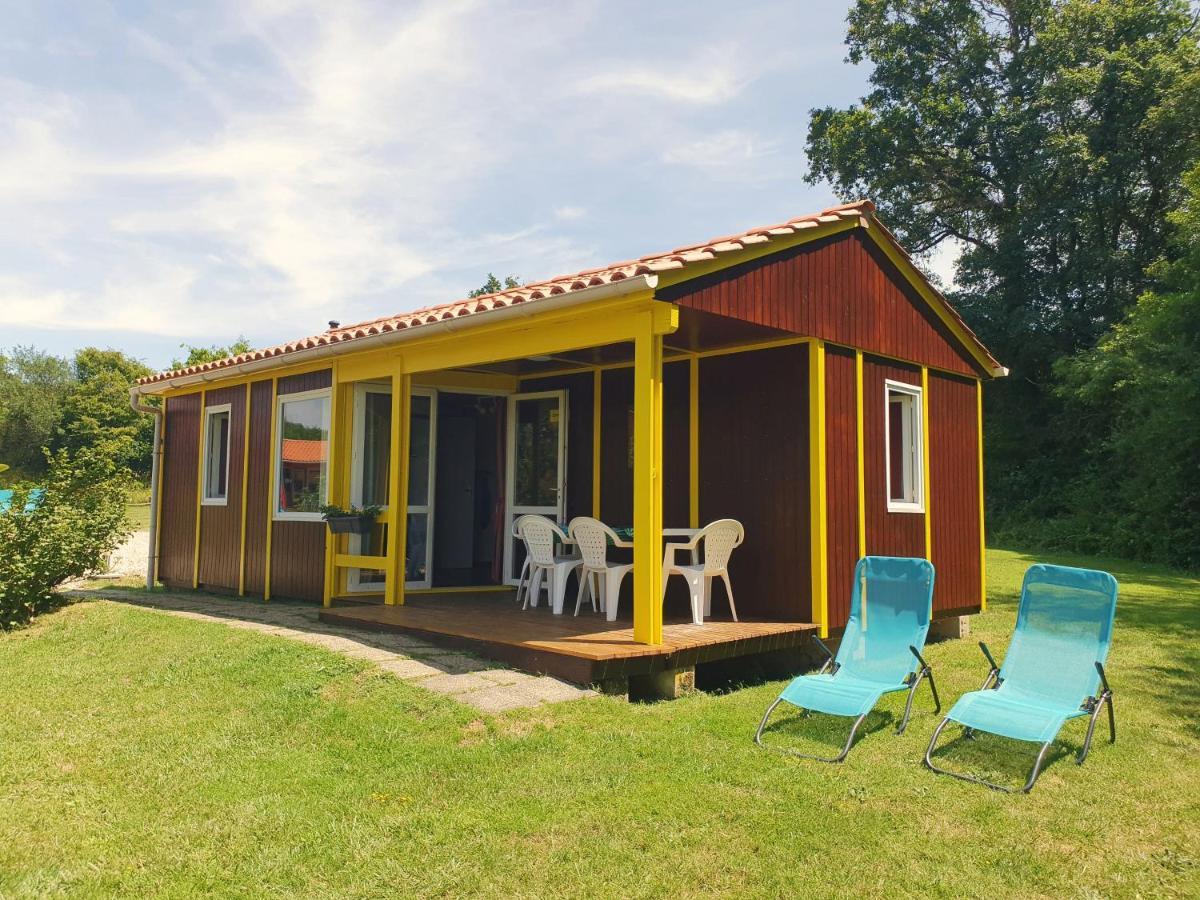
x=199 y=490
x=860 y=454
x=333 y=484
x=272 y=491
x=597 y=378
x=982 y=539
x=245 y=482
x=818 y=541
x=694 y=442
x=397 y=548
x=647 y=483
x=925 y=453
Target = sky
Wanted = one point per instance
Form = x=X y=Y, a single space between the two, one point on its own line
x=190 y=173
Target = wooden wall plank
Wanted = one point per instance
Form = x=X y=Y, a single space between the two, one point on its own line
x=841 y=482
x=954 y=492
x=257 y=486
x=888 y=533
x=842 y=289
x=221 y=526
x=754 y=468
x=177 y=530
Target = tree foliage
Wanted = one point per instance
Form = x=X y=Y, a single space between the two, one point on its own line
x=1137 y=395
x=1048 y=138
x=97 y=413
x=79 y=521
x=33 y=387
x=493 y=285
x=197 y=355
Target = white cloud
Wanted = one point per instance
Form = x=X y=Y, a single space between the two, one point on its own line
x=722 y=150
x=566 y=213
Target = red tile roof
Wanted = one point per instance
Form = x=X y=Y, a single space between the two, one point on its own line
x=303 y=451
x=679 y=258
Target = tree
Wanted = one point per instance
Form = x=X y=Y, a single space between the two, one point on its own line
x=198 y=355
x=494 y=286
x=1047 y=137
x=33 y=387
x=97 y=414
x=1139 y=390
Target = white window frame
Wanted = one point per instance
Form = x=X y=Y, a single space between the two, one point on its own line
x=916 y=459
x=209 y=412
x=280 y=515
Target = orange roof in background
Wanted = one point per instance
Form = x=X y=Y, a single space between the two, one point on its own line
x=303 y=451
x=679 y=258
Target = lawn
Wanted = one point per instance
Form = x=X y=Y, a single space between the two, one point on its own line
x=145 y=754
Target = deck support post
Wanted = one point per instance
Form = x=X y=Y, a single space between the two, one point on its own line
x=660 y=319
x=397 y=512
x=669 y=684
x=819 y=559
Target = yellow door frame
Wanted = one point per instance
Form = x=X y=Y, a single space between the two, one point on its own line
x=818 y=539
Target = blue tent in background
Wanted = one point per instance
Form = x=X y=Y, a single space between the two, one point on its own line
x=32 y=501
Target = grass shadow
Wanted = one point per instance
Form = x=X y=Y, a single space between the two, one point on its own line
x=1001 y=760
x=827 y=732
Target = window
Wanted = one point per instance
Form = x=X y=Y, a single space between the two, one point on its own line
x=903 y=448
x=302 y=455
x=216 y=456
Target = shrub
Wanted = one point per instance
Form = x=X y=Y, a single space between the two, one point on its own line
x=78 y=522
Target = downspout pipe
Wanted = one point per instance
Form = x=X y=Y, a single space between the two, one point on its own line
x=155 y=470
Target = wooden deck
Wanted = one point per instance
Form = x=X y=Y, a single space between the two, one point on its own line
x=586 y=650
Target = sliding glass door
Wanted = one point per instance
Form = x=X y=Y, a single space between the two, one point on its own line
x=369 y=481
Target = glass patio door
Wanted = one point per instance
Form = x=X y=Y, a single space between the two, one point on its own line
x=369 y=481
x=537 y=465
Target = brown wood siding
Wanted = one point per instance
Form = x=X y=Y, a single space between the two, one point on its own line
x=677 y=478
x=177 y=531
x=258 y=485
x=616 y=473
x=954 y=492
x=221 y=526
x=841 y=480
x=842 y=289
x=298 y=548
x=309 y=381
x=754 y=468
x=298 y=560
x=888 y=533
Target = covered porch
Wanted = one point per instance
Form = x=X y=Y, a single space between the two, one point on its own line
x=593 y=409
x=583 y=649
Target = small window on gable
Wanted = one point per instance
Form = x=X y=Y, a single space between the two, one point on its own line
x=903 y=448
x=216 y=455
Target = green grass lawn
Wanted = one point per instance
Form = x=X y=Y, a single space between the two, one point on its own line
x=145 y=754
x=137 y=508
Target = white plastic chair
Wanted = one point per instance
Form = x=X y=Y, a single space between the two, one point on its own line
x=592 y=537
x=720 y=538
x=539 y=534
x=524 y=579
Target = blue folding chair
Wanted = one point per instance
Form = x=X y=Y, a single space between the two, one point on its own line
x=880 y=651
x=1053 y=671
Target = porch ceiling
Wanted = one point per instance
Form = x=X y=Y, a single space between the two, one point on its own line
x=698 y=331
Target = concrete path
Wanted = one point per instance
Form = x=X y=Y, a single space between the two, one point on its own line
x=468 y=679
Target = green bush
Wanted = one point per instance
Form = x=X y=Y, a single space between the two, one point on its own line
x=70 y=533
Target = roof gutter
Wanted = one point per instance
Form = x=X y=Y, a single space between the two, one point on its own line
x=624 y=287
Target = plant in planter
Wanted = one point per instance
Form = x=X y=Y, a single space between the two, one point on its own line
x=354 y=520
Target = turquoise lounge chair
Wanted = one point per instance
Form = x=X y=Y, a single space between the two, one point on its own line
x=1053 y=671
x=880 y=651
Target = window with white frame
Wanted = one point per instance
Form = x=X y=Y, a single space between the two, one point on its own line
x=302 y=455
x=903 y=447
x=216 y=456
